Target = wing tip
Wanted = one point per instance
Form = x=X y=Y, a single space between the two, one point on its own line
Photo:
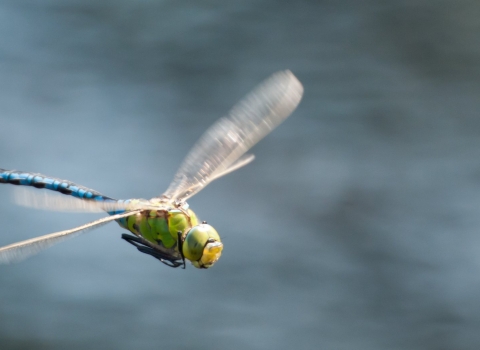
x=290 y=91
x=294 y=85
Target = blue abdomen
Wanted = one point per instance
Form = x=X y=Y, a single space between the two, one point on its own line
x=22 y=178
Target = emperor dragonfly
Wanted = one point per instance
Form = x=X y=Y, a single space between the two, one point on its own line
x=165 y=227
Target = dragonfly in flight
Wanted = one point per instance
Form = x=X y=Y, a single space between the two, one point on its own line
x=165 y=227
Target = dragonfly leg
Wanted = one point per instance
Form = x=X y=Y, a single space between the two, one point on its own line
x=144 y=246
x=180 y=247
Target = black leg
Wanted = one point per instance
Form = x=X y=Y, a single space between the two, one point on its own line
x=180 y=247
x=145 y=247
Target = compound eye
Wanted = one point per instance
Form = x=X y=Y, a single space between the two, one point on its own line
x=202 y=245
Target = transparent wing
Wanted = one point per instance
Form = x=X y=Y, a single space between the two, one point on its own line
x=33 y=198
x=229 y=138
x=246 y=159
x=21 y=250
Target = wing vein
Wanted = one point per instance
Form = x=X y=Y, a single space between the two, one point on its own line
x=232 y=136
x=21 y=250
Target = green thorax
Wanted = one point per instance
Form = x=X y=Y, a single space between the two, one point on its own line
x=160 y=226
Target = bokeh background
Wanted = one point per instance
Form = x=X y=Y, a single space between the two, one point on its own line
x=357 y=227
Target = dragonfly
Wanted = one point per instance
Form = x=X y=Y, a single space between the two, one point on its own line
x=165 y=227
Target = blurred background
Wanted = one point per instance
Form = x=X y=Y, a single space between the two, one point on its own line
x=357 y=226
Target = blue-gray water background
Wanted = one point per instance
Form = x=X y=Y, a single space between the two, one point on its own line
x=357 y=227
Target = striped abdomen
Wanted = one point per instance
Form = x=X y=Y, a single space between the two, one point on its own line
x=22 y=178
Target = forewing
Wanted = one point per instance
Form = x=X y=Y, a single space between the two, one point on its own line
x=240 y=163
x=229 y=138
x=21 y=250
x=33 y=198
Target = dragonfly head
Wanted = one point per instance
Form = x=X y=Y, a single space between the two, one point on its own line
x=202 y=246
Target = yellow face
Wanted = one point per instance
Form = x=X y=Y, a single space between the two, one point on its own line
x=202 y=246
